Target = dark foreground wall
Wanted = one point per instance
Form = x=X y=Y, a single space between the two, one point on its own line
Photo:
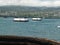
x=15 y=40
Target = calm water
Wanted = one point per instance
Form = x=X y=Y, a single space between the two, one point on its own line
x=47 y=28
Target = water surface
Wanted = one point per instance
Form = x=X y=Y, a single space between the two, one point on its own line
x=47 y=28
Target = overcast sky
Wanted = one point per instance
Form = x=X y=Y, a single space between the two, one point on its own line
x=47 y=3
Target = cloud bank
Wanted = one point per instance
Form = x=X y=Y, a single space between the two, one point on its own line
x=39 y=3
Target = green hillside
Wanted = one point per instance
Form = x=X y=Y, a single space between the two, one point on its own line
x=23 y=11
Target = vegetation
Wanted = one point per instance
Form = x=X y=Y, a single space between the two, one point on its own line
x=21 y=11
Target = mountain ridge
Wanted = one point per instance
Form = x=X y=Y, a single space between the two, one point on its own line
x=27 y=8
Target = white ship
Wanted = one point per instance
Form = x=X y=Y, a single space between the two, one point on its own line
x=58 y=26
x=36 y=19
x=21 y=19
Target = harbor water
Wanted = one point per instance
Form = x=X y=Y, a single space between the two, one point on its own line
x=47 y=28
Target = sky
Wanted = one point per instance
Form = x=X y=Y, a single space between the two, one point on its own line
x=36 y=3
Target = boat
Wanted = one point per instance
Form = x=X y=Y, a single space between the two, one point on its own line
x=21 y=19
x=36 y=19
x=58 y=26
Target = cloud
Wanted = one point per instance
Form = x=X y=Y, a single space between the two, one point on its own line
x=47 y=3
x=9 y=2
x=40 y=3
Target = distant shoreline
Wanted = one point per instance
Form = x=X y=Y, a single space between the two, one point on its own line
x=25 y=17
